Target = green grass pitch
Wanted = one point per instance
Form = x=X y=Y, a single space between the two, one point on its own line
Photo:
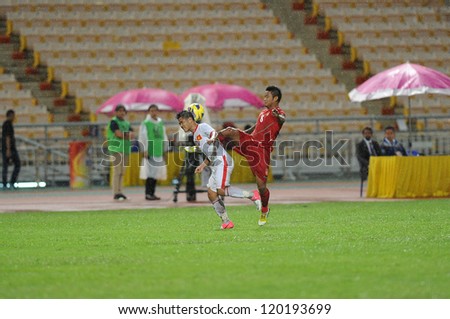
x=394 y=249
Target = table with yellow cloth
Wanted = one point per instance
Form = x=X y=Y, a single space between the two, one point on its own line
x=409 y=176
x=241 y=172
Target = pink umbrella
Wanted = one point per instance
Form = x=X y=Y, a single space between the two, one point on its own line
x=140 y=100
x=403 y=80
x=407 y=79
x=219 y=95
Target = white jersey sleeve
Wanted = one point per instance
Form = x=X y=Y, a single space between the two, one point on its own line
x=215 y=151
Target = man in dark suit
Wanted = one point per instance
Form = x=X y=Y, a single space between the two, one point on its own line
x=364 y=150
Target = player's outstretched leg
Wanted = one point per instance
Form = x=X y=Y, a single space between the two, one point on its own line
x=256 y=199
x=236 y=192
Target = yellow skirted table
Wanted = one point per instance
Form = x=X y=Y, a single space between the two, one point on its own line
x=409 y=176
x=241 y=172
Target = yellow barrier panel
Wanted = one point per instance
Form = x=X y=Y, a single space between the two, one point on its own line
x=64 y=89
x=78 y=105
x=327 y=24
x=315 y=10
x=392 y=101
x=50 y=74
x=353 y=54
x=366 y=68
x=23 y=43
x=171 y=45
x=92 y=117
x=9 y=27
x=341 y=38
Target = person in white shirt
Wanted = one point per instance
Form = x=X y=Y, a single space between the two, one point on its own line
x=221 y=164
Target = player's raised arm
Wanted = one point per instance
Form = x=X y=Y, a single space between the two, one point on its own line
x=250 y=129
x=281 y=117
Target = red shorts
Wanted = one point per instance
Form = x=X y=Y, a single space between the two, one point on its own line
x=258 y=156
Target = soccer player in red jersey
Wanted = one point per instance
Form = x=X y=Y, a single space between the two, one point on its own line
x=256 y=143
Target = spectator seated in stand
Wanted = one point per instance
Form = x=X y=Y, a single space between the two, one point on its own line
x=364 y=150
x=390 y=146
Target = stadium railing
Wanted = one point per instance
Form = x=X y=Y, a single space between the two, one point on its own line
x=45 y=157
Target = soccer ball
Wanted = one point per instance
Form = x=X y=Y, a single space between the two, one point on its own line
x=198 y=110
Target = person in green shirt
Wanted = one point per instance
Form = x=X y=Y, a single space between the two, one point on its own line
x=154 y=143
x=119 y=134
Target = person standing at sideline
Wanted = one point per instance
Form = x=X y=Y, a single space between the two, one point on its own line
x=9 y=150
x=221 y=164
x=119 y=134
x=364 y=150
x=256 y=143
x=154 y=142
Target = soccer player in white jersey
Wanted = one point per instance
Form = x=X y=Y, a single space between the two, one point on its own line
x=221 y=165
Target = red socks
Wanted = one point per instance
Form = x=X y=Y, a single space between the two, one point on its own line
x=265 y=201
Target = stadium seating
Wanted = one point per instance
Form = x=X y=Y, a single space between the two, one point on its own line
x=387 y=33
x=21 y=101
x=14 y=98
x=41 y=133
x=426 y=104
x=27 y=110
x=384 y=34
x=97 y=49
x=436 y=124
x=8 y=82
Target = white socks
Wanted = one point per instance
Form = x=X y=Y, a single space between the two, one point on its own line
x=219 y=207
x=238 y=193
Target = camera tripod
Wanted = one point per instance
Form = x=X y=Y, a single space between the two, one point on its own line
x=191 y=160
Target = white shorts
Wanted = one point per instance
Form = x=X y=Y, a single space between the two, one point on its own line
x=153 y=167
x=220 y=175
